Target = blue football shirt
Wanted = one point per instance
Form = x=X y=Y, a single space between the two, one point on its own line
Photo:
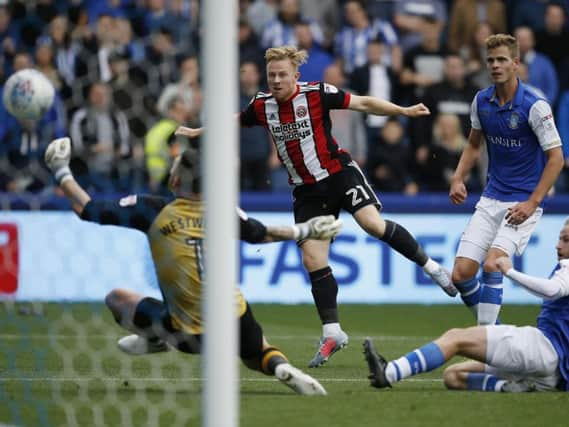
x=553 y=321
x=517 y=134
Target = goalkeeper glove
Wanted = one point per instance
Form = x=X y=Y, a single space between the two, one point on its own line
x=57 y=156
x=319 y=227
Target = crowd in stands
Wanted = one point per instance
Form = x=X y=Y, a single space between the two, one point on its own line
x=127 y=72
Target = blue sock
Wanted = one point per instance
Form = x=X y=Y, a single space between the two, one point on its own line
x=470 y=293
x=423 y=359
x=483 y=382
x=490 y=298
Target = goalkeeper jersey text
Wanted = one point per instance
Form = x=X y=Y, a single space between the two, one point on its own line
x=175 y=233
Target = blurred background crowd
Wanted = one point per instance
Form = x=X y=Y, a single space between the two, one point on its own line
x=127 y=72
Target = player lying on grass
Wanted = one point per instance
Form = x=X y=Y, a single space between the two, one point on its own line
x=175 y=232
x=506 y=358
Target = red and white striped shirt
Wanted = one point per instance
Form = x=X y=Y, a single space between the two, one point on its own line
x=301 y=130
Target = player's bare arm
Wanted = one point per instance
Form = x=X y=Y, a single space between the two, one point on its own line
x=189 y=132
x=522 y=211
x=381 y=107
x=468 y=159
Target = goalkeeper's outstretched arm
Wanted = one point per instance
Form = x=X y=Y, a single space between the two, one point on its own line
x=57 y=156
x=319 y=227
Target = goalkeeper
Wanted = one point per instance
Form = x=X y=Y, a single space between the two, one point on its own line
x=175 y=232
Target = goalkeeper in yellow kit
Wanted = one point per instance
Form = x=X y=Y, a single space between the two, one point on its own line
x=175 y=231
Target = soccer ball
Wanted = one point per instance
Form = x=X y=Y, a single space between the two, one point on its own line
x=28 y=94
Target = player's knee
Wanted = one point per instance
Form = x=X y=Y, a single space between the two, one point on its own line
x=452 y=337
x=112 y=301
x=462 y=272
x=490 y=265
x=120 y=302
x=454 y=378
x=373 y=225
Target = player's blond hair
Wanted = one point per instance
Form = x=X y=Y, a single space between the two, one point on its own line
x=297 y=57
x=497 y=40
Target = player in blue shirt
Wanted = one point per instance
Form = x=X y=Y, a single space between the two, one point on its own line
x=525 y=158
x=506 y=357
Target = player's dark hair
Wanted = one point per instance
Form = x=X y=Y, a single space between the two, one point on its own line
x=190 y=170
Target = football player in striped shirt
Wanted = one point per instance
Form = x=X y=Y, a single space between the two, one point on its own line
x=175 y=231
x=324 y=177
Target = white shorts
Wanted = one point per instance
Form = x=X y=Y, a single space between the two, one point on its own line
x=522 y=353
x=488 y=228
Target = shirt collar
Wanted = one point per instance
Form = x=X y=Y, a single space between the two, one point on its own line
x=518 y=96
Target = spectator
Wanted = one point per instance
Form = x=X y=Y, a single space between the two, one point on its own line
x=260 y=13
x=553 y=40
x=541 y=72
x=45 y=63
x=351 y=42
x=348 y=125
x=325 y=12
x=9 y=38
x=435 y=170
x=523 y=74
x=377 y=80
x=100 y=136
x=81 y=30
x=249 y=45
x=424 y=64
x=453 y=95
x=465 y=16
x=92 y=60
x=476 y=56
x=318 y=59
x=161 y=146
x=407 y=19
x=255 y=156
x=186 y=88
x=185 y=15
x=389 y=162
x=162 y=56
x=158 y=17
x=125 y=42
x=280 y=31
x=128 y=92
x=529 y=13
x=65 y=49
x=38 y=16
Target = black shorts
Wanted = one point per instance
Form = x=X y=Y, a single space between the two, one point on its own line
x=251 y=333
x=347 y=189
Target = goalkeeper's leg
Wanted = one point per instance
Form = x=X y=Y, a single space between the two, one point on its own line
x=150 y=323
x=257 y=354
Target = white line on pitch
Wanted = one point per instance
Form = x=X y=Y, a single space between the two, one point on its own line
x=272 y=337
x=194 y=379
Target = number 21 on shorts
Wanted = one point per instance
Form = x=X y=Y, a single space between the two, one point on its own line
x=357 y=193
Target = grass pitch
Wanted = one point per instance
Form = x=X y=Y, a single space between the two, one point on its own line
x=59 y=365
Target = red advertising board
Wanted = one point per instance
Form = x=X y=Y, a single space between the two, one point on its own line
x=9 y=258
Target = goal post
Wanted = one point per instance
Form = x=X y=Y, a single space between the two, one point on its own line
x=219 y=364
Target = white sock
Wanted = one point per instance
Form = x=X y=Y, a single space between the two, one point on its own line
x=431 y=266
x=489 y=307
x=331 y=329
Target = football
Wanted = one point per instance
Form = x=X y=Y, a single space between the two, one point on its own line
x=28 y=94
